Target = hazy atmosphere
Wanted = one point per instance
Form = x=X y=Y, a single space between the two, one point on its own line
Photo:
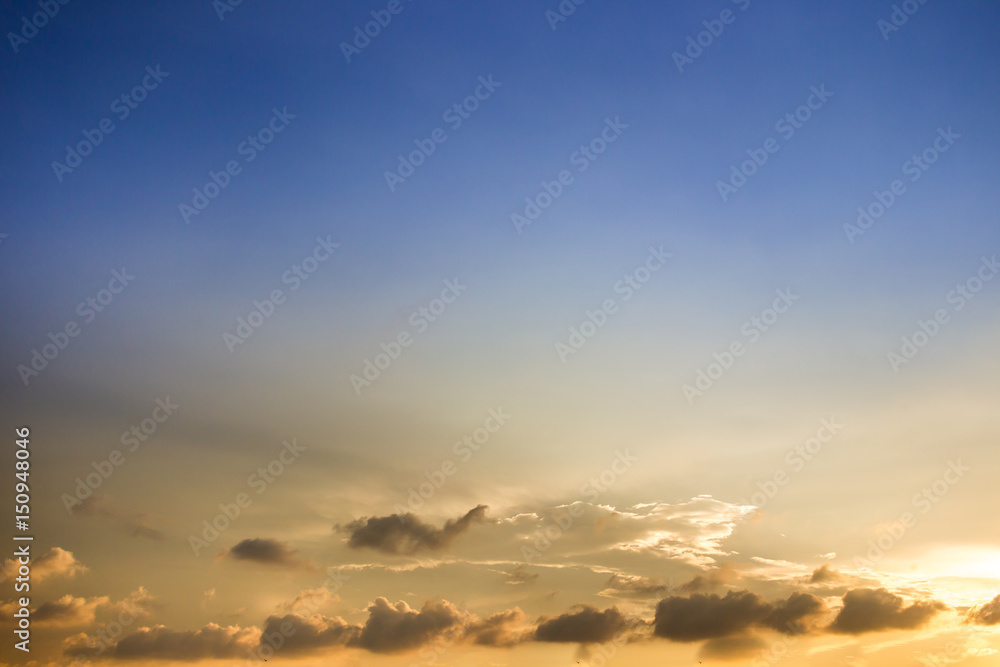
x=568 y=332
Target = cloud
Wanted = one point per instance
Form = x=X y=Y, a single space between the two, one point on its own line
x=698 y=583
x=871 y=610
x=207 y=597
x=82 y=644
x=505 y=628
x=588 y=625
x=787 y=615
x=392 y=628
x=988 y=614
x=388 y=629
x=824 y=574
x=520 y=575
x=135 y=525
x=304 y=633
x=68 y=611
x=710 y=616
x=309 y=601
x=55 y=562
x=728 y=624
x=692 y=531
x=265 y=551
x=211 y=641
x=629 y=586
x=724 y=574
x=138 y=603
x=406 y=534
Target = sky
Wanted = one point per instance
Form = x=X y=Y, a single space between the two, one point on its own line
x=402 y=333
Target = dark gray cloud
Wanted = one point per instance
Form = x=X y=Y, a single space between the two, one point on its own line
x=702 y=616
x=790 y=616
x=305 y=633
x=391 y=628
x=824 y=574
x=871 y=610
x=708 y=616
x=588 y=625
x=988 y=614
x=726 y=623
x=211 y=641
x=406 y=534
x=264 y=550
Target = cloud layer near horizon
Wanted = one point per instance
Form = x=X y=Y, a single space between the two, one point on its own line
x=730 y=625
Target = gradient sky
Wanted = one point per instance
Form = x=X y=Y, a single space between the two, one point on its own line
x=824 y=497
